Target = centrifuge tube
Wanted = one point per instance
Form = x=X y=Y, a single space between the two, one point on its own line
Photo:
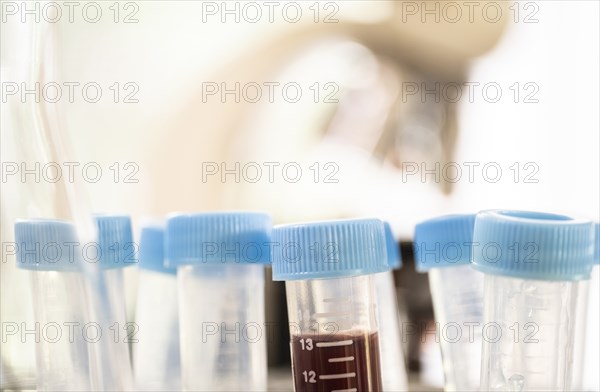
x=329 y=271
x=115 y=251
x=49 y=249
x=393 y=374
x=156 y=353
x=533 y=264
x=443 y=249
x=220 y=260
x=586 y=355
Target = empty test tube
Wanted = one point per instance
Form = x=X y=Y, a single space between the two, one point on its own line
x=533 y=264
x=586 y=355
x=393 y=374
x=156 y=353
x=220 y=260
x=329 y=271
x=49 y=249
x=115 y=251
x=443 y=249
x=71 y=341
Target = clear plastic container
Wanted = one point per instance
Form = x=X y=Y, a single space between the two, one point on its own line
x=587 y=355
x=393 y=374
x=220 y=259
x=47 y=249
x=443 y=249
x=114 y=251
x=73 y=343
x=156 y=357
x=329 y=271
x=533 y=265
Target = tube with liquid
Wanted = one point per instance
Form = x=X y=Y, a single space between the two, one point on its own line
x=329 y=271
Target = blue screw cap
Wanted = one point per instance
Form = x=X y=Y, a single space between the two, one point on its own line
x=329 y=249
x=152 y=255
x=47 y=245
x=115 y=241
x=443 y=242
x=597 y=245
x=214 y=238
x=393 y=253
x=533 y=245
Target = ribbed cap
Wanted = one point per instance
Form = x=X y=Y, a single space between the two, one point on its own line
x=152 y=255
x=597 y=245
x=443 y=242
x=227 y=237
x=116 y=248
x=47 y=245
x=329 y=249
x=532 y=245
x=393 y=253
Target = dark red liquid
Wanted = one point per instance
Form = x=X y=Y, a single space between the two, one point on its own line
x=336 y=362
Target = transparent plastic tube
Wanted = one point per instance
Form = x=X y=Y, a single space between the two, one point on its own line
x=579 y=345
x=117 y=332
x=115 y=250
x=329 y=269
x=61 y=330
x=156 y=348
x=334 y=335
x=443 y=249
x=529 y=334
x=457 y=295
x=220 y=260
x=534 y=264
x=586 y=356
x=46 y=249
x=223 y=347
x=156 y=355
x=393 y=374
x=590 y=379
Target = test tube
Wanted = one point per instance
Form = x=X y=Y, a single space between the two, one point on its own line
x=533 y=264
x=220 y=260
x=329 y=271
x=48 y=249
x=586 y=356
x=393 y=374
x=156 y=352
x=115 y=250
x=442 y=248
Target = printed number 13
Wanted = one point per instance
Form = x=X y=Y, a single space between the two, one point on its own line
x=307 y=344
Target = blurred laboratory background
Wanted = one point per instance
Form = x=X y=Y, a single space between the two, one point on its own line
x=399 y=110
